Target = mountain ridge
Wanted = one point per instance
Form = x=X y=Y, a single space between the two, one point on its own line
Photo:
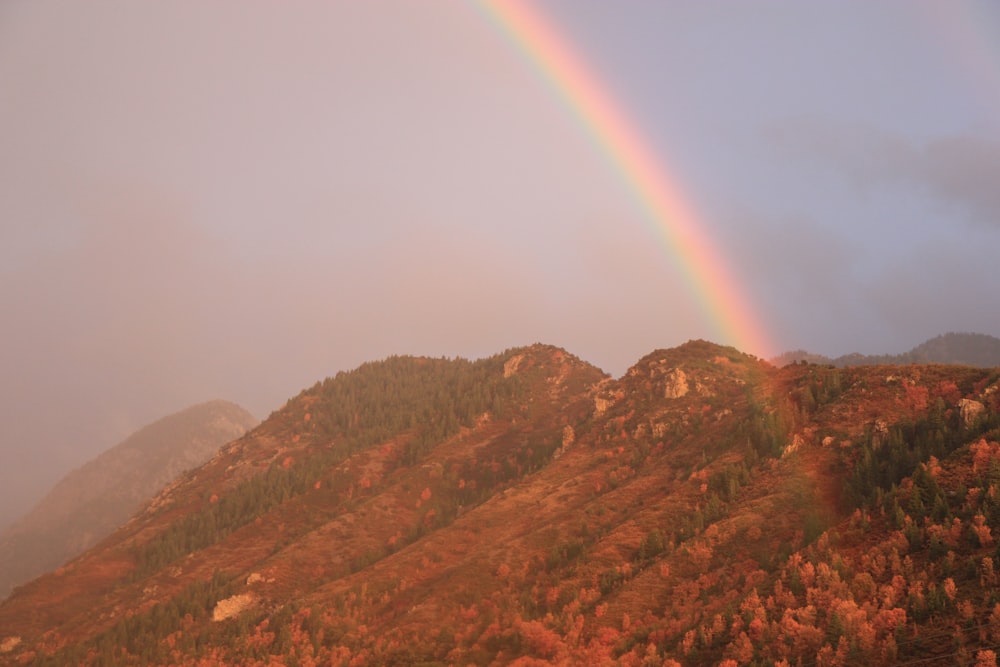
x=528 y=509
x=88 y=503
x=968 y=349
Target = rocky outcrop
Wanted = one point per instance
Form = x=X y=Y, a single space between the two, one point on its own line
x=511 y=365
x=675 y=384
x=231 y=606
x=970 y=410
x=605 y=396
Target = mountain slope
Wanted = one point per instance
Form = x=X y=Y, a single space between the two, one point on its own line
x=527 y=509
x=967 y=349
x=90 y=502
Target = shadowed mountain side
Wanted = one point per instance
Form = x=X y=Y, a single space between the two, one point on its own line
x=706 y=508
x=90 y=502
x=966 y=349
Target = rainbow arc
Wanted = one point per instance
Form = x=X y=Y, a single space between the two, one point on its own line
x=705 y=271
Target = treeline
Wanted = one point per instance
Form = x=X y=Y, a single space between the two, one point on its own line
x=890 y=455
x=139 y=638
x=215 y=521
x=433 y=397
x=429 y=398
x=822 y=386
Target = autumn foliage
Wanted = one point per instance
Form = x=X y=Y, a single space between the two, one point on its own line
x=527 y=510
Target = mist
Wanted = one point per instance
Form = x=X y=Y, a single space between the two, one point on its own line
x=212 y=201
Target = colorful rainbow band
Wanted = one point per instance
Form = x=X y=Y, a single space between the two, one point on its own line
x=715 y=289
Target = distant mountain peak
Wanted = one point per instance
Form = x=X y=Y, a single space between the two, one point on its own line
x=91 y=501
x=966 y=349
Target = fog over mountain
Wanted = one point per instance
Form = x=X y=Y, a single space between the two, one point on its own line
x=86 y=505
x=203 y=200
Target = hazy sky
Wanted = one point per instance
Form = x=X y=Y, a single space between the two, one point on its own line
x=236 y=199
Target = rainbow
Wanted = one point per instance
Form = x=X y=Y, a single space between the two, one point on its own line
x=703 y=267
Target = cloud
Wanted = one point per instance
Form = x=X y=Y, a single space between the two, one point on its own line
x=798 y=272
x=938 y=287
x=964 y=170
x=957 y=172
x=837 y=288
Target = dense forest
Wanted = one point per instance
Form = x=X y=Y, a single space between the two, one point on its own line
x=705 y=509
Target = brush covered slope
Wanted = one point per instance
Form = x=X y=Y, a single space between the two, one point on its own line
x=706 y=508
x=89 y=503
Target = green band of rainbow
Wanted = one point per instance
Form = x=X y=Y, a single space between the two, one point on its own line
x=715 y=289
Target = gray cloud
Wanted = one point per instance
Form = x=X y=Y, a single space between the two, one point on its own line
x=802 y=274
x=958 y=172
x=965 y=170
x=937 y=287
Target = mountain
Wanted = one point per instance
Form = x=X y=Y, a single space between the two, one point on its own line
x=706 y=508
x=967 y=349
x=90 y=502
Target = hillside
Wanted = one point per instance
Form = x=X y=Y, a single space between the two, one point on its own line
x=967 y=349
x=90 y=502
x=705 y=508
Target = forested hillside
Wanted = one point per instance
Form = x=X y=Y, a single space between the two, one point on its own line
x=705 y=508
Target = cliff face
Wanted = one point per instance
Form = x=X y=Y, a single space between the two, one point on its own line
x=90 y=502
x=527 y=509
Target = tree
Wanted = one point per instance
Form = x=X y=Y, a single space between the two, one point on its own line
x=986 y=658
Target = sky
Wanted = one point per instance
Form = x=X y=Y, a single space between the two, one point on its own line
x=237 y=199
